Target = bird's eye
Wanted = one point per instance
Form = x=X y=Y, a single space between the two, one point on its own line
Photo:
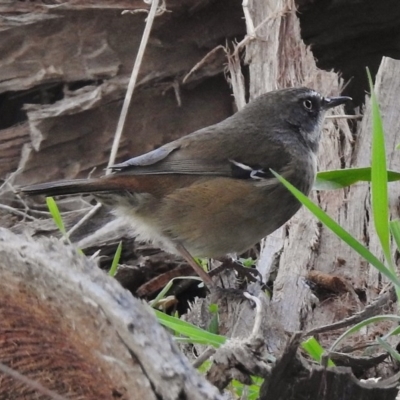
x=308 y=105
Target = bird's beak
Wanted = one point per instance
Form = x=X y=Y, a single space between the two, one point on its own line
x=330 y=102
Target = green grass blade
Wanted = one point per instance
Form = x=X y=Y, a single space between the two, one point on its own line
x=168 y=286
x=379 y=189
x=389 y=349
x=247 y=392
x=315 y=350
x=339 y=231
x=55 y=213
x=340 y=178
x=394 y=332
x=162 y=294
x=361 y=324
x=116 y=258
x=213 y=326
x=193 y=333
x=395 y=229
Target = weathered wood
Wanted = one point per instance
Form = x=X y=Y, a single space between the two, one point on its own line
x=354 y=211
x=304 y=244
x=279 y=59
x=292 y=378
x=12 y=141
x=69 y=65
x=79 y=333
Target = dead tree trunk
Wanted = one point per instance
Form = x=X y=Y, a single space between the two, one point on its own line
x=304 y=247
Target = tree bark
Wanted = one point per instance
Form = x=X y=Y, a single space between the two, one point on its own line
x=304 y=249
x=80 y=334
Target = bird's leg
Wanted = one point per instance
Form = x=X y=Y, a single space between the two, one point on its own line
x=217 y=293
x=192 y=262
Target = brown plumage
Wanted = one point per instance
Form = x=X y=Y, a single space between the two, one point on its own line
x=211 y=192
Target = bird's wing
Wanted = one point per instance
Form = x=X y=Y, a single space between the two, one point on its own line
x=147 y=161
x=211 y=152
x=164 y=161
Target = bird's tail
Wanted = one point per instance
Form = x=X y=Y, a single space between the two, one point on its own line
x=58 y=188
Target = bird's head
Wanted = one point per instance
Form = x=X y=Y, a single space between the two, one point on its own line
x=304 y=109
x=294 y=114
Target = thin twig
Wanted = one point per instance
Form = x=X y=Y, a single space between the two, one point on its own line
x=95 y=254
x=161 y=9
x=48 y=214
x=7 y=182
x=177 y=91
x=258 y=318
x=203 y=61
x=17 y=212
x=84 y=219
x=234 y=64
x=247 y=18
x=30 y=382
x=344 y=116
x=237 y=81
x=250 y=37
x=132 y=83
x=203 y=357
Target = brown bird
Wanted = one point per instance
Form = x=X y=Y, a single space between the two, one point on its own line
x=212 y=193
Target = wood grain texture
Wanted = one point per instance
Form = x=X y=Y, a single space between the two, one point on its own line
x=85 y=319
x=64 y=72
